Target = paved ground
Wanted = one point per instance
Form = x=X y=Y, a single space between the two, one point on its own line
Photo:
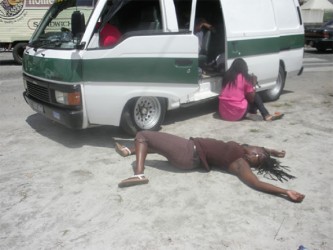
x=58 y=187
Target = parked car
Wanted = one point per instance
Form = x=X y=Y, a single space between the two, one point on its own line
x=320 y=38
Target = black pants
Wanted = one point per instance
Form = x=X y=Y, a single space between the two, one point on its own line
x=258 y=104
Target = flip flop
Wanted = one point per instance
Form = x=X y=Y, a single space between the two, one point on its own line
x=122 y=150
x=138 y=179
x=276 y=116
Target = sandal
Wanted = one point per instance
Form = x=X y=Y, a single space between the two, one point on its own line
x=138 y=179
x=276 y=116
x=122 y=150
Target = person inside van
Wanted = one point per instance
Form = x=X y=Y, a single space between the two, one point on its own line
x=231 y=157
x=109 y=35
x=199 y=29
x=238 y=96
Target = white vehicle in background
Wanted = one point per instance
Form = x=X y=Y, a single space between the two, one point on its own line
x=18 y=21
x=156 y=65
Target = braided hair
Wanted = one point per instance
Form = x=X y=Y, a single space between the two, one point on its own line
x=272 y=169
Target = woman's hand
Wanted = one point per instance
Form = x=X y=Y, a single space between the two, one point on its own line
x=280 y=154
x=295 y=196
x=276 y=153
x=254 y=80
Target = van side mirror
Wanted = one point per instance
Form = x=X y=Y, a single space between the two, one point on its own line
x=78 y=23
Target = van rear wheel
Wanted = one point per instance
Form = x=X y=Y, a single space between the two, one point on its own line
x=143 y=113
x=274 y=93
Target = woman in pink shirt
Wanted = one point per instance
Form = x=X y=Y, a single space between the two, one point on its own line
x=238 y=96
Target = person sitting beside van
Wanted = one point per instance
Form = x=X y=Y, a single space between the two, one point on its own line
x=109 y=35
x=238 y=95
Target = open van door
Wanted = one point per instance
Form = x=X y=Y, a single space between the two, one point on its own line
x=153 y=62
x=251 y=33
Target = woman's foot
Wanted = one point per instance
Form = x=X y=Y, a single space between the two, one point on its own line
x=276 y=116
x=122 y=150
x=138 y=179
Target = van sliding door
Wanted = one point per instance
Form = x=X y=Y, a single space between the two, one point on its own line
x=252 y=34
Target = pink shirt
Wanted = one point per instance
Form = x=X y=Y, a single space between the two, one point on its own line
x=232 y=99
x=109 y=35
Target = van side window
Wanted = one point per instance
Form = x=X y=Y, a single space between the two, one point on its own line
x=134 y=18
x=183 y=12
x=141 y=15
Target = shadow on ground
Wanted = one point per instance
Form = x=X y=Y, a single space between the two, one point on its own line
x=190 y=112
x=102 y=136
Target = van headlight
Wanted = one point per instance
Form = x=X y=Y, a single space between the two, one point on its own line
x=71 y=98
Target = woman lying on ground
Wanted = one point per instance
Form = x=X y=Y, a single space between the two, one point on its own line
x=192 y=153
x=238 y=96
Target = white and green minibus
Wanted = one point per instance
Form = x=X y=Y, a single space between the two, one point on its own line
x=156 y=64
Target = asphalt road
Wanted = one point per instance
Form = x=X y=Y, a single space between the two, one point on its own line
x=58 y=187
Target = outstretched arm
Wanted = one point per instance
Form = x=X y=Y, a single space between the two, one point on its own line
x=242 y=170
x=276 y=153
x=272 y=152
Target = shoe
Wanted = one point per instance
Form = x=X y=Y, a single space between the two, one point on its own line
x=276 y=116
x=138 y=179
x=122 y=150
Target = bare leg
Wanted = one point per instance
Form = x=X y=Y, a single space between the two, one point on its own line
x=150 y=142
x=141 y=151
x=125 y=151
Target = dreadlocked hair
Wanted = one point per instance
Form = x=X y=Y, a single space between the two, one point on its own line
x=273 y=170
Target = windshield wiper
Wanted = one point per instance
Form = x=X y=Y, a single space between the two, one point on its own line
x=56 y=43
x=42 y=43
x=56 y=40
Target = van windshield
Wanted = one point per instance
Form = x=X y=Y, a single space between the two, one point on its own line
x=63 y=25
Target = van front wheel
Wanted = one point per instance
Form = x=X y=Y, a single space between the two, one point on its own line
x=274 y=93
x=18 y=52
x=143 y=113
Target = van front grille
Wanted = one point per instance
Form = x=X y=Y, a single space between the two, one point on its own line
x=39 y=92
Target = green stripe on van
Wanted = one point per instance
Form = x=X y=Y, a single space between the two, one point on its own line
x=243 y=48
x=161 y=70
x=63 y=70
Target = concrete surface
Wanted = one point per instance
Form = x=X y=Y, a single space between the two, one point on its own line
x=58 y=187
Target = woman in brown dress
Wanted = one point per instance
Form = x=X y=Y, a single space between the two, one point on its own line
x=193 y=153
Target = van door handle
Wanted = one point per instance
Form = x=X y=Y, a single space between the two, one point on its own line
x=235 y=51
x=183 y=62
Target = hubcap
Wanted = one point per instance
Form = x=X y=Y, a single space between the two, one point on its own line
x=147 y=112
x=278 y=85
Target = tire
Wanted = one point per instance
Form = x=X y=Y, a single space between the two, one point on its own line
x=143 y=113
x=321 y=49
x=18 y=52
x=274 y=93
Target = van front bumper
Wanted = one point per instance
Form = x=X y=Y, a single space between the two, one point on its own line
x=69 y=118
